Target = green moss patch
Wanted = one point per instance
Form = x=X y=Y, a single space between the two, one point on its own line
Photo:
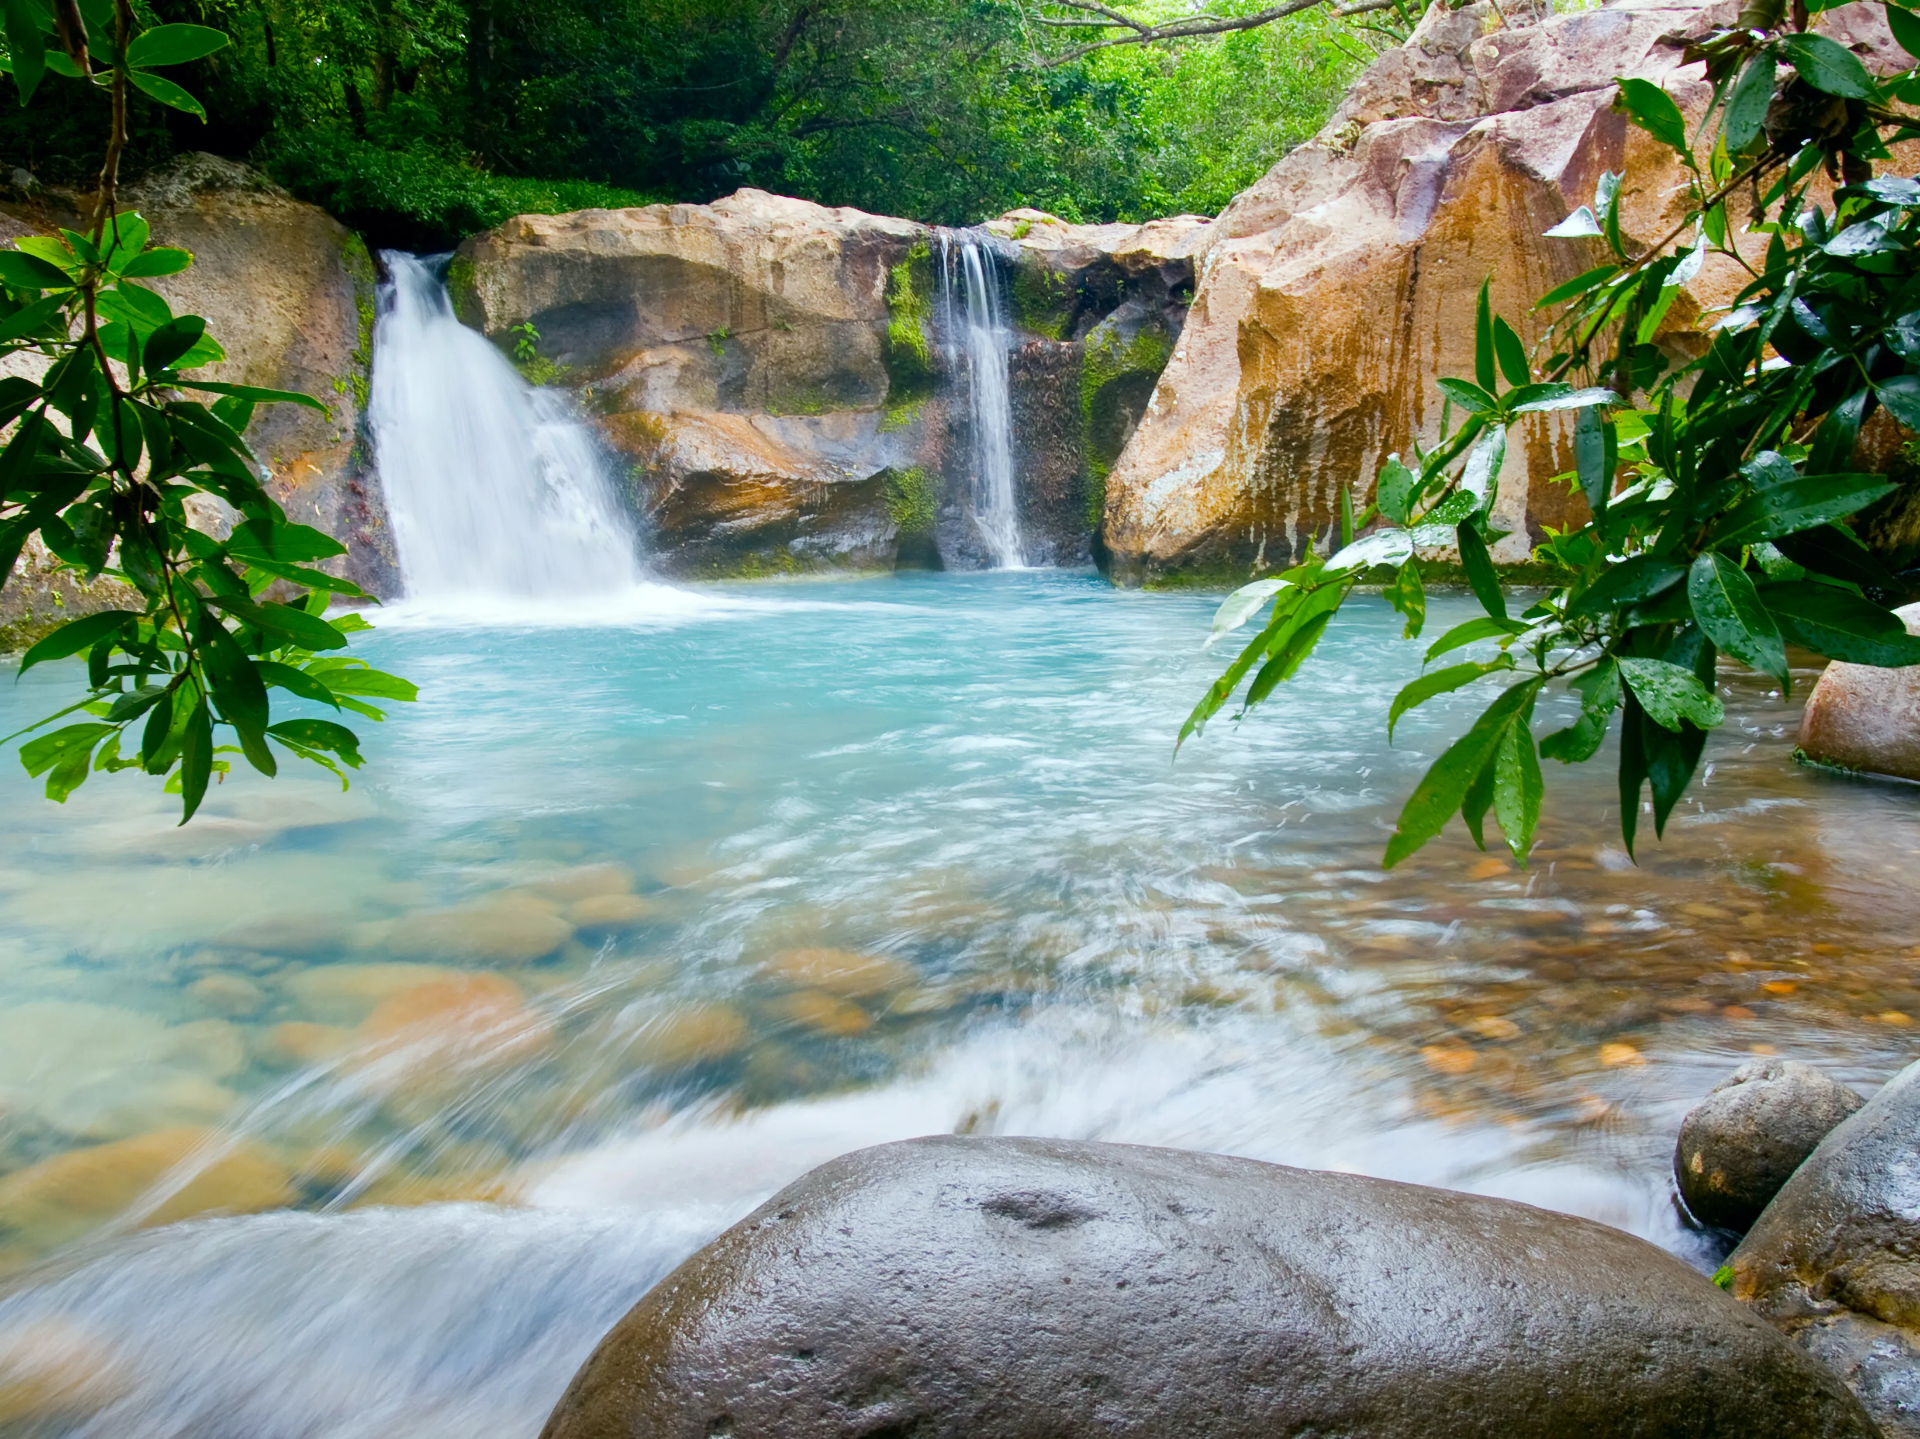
x=910 y=290
x=1042 y=300
x=910 y=500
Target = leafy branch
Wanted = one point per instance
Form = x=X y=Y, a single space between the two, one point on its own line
x=1719 y=491
x=106 y=449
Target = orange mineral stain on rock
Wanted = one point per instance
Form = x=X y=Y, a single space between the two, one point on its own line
x=1448 y=1058
x=1490 y=868
x=1615 y=1055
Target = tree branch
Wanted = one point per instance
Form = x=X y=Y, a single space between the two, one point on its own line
x=1139 y=33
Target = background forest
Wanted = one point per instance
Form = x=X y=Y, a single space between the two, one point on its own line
x=417 y=121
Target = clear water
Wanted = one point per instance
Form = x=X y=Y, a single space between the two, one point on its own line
x=977 y=339
x=965 y=779
x=496 y=490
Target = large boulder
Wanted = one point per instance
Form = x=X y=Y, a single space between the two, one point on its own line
x=1743 y=1142
x=1336 y=289
x=1863 y=718
x=780 y=378
x=1835 y=1259
x=289 y=293
x=1026 y=1287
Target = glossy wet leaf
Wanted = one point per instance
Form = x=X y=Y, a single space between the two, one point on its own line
x=1828 y=65
x=1440 y=682
x=1443 y=790
x=1669 y=693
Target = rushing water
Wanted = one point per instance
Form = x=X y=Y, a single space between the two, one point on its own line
x=977 y=338
x=495 y=489
x=684 y=905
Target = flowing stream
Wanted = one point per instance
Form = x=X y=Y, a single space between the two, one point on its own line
x=496 y=490
x=977 y=339
x=684 y=905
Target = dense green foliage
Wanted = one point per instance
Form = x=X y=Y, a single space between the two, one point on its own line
x=1720 y=490
x=111 y=445
x=421 y=120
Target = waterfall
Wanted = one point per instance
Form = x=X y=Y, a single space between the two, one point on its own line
x=496 y=490
x=977 y=339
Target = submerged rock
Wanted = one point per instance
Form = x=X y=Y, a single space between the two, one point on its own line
x=1740 y=1144
x=1863 y=718
x=1835 y=1259
x=1024 y=1287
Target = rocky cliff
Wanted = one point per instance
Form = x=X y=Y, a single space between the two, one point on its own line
x=1339 y=287
x=779 y=377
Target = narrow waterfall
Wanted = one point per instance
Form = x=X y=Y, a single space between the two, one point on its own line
x=977 y=338
x=496 y=490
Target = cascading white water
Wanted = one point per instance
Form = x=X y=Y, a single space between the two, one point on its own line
x=977 y=336
x=496 y=491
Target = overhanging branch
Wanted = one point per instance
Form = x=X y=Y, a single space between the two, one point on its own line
x=1131 y=31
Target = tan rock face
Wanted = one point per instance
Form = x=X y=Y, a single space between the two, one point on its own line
x=1339 y=287
x=1862 y=718
x=774 y=373
x=288 y=292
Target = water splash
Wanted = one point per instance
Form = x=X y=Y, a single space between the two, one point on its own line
x=977 y=339
x=496 y=490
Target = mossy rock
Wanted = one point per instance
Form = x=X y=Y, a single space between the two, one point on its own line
x=910 y=290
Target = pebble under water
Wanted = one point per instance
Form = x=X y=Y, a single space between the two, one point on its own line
x=628 y=923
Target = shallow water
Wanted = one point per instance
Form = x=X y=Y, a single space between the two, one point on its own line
x=648 y=829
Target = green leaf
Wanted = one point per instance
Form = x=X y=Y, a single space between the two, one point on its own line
x=1442 y=682
x=256 y=393
x=1595 y=452
x=308 y=631
x=196 y=758
x=173 y=45
x=126 y=237
x=1787 y=508
x=1841 y=625
x=1472 y=632
x=1443 y=790
x=135 y=305
x=1653 y=110
x=1408 y=596
x=1481 y=576
x=162 y=260
x=1472 y=398
x=1747 y=105
x=1906 y=28
x=64 y=757
x=1627 y=583
x=1243 y=604
x=1669 y=693
x=1483 y=355
x=295 y=681
x=1285 y=605
x=1579 y=284
x=172 y=340
x=1284 y=665
x=26 y=47
x=1517 y=785
x=320 y=734
x=1829 y=66
x=1511 y=353
x=1901 y=396
x=1729 y=612
x=172 y=96
x=77 y=635
x=1393 y=490
x=21 y=271
x=1567 y=398
x=381 y=685
x=281 y=542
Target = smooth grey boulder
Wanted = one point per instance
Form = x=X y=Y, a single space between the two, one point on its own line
x=1741 y=1143
x=1038 y=1289
x=1835 y=1259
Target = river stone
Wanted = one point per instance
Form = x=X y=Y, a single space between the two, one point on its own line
x=1864 y=718
x=1835 y=1259
x=1741 y=1143
x=1030 y=1287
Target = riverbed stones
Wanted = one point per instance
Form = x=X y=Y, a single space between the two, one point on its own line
x=1835 y=1259
x=506 y=928
x=1740 y=1144
x=1027 y=1287
x=1863 y=718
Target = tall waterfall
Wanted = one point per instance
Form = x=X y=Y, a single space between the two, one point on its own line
x=977 y=339
x=496 y=491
